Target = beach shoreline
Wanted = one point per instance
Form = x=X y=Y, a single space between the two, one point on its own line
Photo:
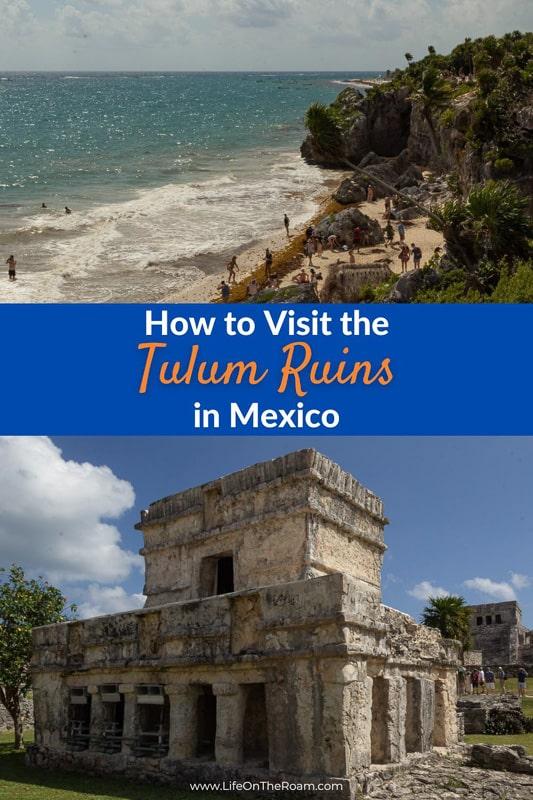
x=250 y=257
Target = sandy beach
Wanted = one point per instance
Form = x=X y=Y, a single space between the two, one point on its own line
x=250 y=260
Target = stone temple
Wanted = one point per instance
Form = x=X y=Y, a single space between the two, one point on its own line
x=497 y=632
x=263 y=651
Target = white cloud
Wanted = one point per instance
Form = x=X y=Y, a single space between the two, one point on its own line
x=257 y=13
x=54 y=514
x=497 y=590
x=108 y=600
x=520 y=581
x=425 y=589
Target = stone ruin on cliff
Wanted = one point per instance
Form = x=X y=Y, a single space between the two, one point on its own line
x=263 y=650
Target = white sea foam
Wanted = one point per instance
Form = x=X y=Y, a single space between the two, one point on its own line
x=132 y=250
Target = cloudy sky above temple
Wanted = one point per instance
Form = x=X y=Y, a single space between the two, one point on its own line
x=460 y=509
x=240 y=34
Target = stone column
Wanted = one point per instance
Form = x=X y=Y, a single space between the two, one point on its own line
x=388 y=719
x=96 y=727
x=230 y=716
x=420 y=714
x=129 y=727
x=445 y=730
x=183 y=729
x=346 y=718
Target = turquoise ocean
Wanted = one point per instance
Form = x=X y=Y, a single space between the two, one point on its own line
x=165 y=174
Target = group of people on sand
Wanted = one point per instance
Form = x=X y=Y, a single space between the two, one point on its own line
x=483 y=681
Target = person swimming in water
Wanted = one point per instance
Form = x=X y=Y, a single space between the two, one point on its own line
x=67 y=210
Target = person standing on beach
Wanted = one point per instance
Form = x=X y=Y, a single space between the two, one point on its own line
x=370 y=193
x=225 y=291
x=286 y=222
x=417 y=255
x=405 y=255
x=389 y=233
x=310 y=251
x=268 y=263
x=232 y=268
x=11 y=268
x=387 y=207
x=357 y=236
x=401 y=232
x=319 y=246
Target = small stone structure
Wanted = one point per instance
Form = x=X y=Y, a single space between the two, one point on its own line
x=476 y=709
x=6 y=721
x=496 y=630
x=263 y=649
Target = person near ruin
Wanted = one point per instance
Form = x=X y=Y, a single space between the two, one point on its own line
x=522 y=681
x=357 y=237
x=253 y=288
x=11 y=268
x=286 y=222
x=401 y=232
x=489 y=681
x=481 y=680
x=370 y=193
x=225 y=291
x=404 y=256
x=232 y=268
x=475 y=681
x=467 y=682
x=268 y=263
x=389 y=234
x=302 y=276
x=501 y=679
x=417 y=255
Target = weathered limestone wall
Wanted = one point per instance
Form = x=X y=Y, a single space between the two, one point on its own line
x=296 y=670
x=496 y=629
x=295 y=517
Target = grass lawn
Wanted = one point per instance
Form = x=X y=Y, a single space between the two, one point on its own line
x=18 y=782
x=525 y=739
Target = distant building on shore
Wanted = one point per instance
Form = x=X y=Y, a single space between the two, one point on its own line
x=496 y=630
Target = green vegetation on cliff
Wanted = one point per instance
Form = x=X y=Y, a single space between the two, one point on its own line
x=499 y=71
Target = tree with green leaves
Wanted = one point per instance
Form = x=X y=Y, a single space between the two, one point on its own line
x=434 y=95
x=408 y=57
x=449 y=615
x=431 y=50
x=321 y=121
x=491 y=224
x=24 y=604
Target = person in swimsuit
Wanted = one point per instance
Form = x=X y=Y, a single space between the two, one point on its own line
x=11 y=268
x=232 y=268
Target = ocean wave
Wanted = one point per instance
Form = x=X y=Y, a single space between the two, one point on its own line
x=142 y=248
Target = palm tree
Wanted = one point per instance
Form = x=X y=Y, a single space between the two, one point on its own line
x=408 y=57
x=449 y=615
x=321 y=122
x=433 y=95
x=431 y=50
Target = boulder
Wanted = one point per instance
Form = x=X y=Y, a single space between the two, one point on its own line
x=411 y=177
x=343 y=223
x=407 y=286
x=507 y=759
x=350 y=191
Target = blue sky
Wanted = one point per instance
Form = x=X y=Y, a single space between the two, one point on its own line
x=240 y=34
x=460 y=509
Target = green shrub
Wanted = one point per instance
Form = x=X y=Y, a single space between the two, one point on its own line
x=487 y=80
x=504 y=166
